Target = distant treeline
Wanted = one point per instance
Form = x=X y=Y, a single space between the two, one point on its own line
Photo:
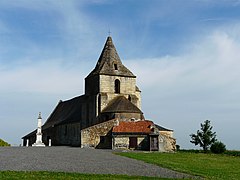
x=3 y=143
x=228 y=152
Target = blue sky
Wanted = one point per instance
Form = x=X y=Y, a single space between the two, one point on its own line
x=185 y=55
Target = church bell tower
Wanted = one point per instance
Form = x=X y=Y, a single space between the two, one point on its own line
x=110 y=79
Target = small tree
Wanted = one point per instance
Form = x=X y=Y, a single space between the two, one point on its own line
x=177 y=147
x=204 y=137
x=218 y=147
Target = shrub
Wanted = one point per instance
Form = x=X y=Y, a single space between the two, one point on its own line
x=218 y=147
x=3 y=143
x=204 y=137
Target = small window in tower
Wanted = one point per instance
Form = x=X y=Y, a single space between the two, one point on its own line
x=117 y=86
x=115 y=66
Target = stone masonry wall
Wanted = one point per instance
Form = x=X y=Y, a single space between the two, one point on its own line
x=166 y=142
x=127 y=84
x=122 y=142
x=107 y=89
x=92 y=136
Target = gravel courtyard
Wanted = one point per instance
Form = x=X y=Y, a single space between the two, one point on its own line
x=68 y=159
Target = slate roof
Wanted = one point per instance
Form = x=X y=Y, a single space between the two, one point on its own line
x=109 y=62
x=143 y=126
x=30 y=134
x=68 y=111
x=121 y=104
x=160 y=128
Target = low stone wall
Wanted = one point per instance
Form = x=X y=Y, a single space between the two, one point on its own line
x=98 y=136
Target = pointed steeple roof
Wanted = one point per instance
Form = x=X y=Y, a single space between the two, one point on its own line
x=109 y=62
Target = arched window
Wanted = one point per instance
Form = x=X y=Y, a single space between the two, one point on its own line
x=117 y=86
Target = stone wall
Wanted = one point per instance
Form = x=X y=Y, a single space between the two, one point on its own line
x=127 y=88
x=166 y=142
x=139 y=102
x=122 y=142
x=100 y=90
x=98 y=136
x=127 y=84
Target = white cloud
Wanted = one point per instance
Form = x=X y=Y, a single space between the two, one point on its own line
x=213 y=61
x=182 y=91
x=46 y=77
x=76 y=32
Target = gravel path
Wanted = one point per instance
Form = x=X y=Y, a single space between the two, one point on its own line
x=69 y=159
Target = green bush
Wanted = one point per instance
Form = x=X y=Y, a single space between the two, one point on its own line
x=177 y=147
x=3 y=143
x=218 y=147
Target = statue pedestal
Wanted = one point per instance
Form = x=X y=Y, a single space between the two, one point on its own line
x=38 y=144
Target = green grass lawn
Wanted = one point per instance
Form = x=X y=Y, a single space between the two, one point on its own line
x=210 y=166
x=61 y=175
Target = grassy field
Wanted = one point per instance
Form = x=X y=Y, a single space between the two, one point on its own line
x=62 y=176
x=209 y=166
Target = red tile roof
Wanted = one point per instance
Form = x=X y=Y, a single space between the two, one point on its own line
x=143 y=126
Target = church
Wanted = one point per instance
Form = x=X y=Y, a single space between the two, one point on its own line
x=108 y=115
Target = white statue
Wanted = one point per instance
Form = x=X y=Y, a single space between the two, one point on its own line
x=39 y=142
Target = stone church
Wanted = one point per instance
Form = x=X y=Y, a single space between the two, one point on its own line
x=108 y=115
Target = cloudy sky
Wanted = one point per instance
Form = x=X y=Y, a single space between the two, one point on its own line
x=185 y=55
